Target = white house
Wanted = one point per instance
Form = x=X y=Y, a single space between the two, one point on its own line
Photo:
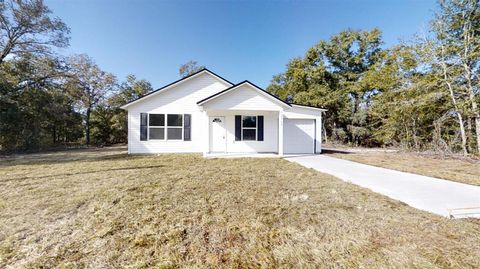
x=206 y=113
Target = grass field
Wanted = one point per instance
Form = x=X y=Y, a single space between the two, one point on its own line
x=104 y=209
x=460 y=170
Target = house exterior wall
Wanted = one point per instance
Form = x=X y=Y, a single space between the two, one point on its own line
x=180 y=99
x=296 y=112
x=270 y=131
x=242 y=98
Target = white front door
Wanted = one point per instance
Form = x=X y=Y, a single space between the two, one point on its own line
x=218 y=134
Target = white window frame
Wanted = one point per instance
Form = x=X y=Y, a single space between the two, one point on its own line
x=165 y=126
x=174 y=127
x=250 y=128
x=158 y=127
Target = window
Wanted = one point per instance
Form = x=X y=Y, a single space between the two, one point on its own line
x=157 y=120
x=165 y=126
x=249 y=127
x=174 y=126
x=156 y=124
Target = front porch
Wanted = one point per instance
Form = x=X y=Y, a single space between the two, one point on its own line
x=245 y=119
x=241 y=155
x=254 y=155
x=243 y=133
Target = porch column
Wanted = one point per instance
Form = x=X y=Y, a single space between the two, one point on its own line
x=280 y=133
x=206 y=138
x=318 y=132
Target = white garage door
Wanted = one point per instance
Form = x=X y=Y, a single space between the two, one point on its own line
x=298 y=136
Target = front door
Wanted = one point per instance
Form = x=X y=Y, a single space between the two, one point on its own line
x=218 y=141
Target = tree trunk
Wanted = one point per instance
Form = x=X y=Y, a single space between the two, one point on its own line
x=463 y=134
x=477 y=130
x=324 y=131
x=54 y=135
x=415 y=138
x=462 y=129
x=476 y=112
x=469 y=134
x=455 y=106
x=467 y=64
x=87 y=133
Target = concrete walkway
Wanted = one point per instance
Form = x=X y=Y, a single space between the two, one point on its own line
x=422 y=192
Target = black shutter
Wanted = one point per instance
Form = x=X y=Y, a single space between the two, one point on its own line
x=143 y=126
x=260 y=128
x=238 y=127
x=187 y=127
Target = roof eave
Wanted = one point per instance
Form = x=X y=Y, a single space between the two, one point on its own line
x=309 y=107
x=159 y=90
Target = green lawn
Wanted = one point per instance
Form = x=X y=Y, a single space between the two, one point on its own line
x=104 y=209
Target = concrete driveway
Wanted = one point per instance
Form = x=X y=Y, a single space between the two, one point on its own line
x=422 y=192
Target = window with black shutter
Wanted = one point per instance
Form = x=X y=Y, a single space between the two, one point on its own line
x=165 y=126
x=249 y=128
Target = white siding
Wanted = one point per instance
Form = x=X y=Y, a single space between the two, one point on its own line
x=244 y=97
x=270 y=132
x=296 y=112
x=180 y=99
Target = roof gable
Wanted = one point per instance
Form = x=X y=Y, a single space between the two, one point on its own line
x=175 y=83
x=259 y=90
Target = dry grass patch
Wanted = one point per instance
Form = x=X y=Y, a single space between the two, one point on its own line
x=464 y=171
x=107 y=210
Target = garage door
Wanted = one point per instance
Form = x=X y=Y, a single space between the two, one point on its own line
x=298 y=136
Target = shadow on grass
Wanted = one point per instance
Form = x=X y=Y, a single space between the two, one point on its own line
x=335 y=151
x=61 y=159
x=84 y=173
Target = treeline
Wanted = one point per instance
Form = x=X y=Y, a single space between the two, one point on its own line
x=422 y=94
x=48 y=100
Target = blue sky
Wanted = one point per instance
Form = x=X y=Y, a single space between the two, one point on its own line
x=236 y=39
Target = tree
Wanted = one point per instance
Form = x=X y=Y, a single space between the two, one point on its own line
x=410 y=101
x=35 y=111
x=189 y=68
x=438 y=58
x=456 y=28
x=89 y=85
x=27 y=26
x=334 y=74
x=128 y=91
